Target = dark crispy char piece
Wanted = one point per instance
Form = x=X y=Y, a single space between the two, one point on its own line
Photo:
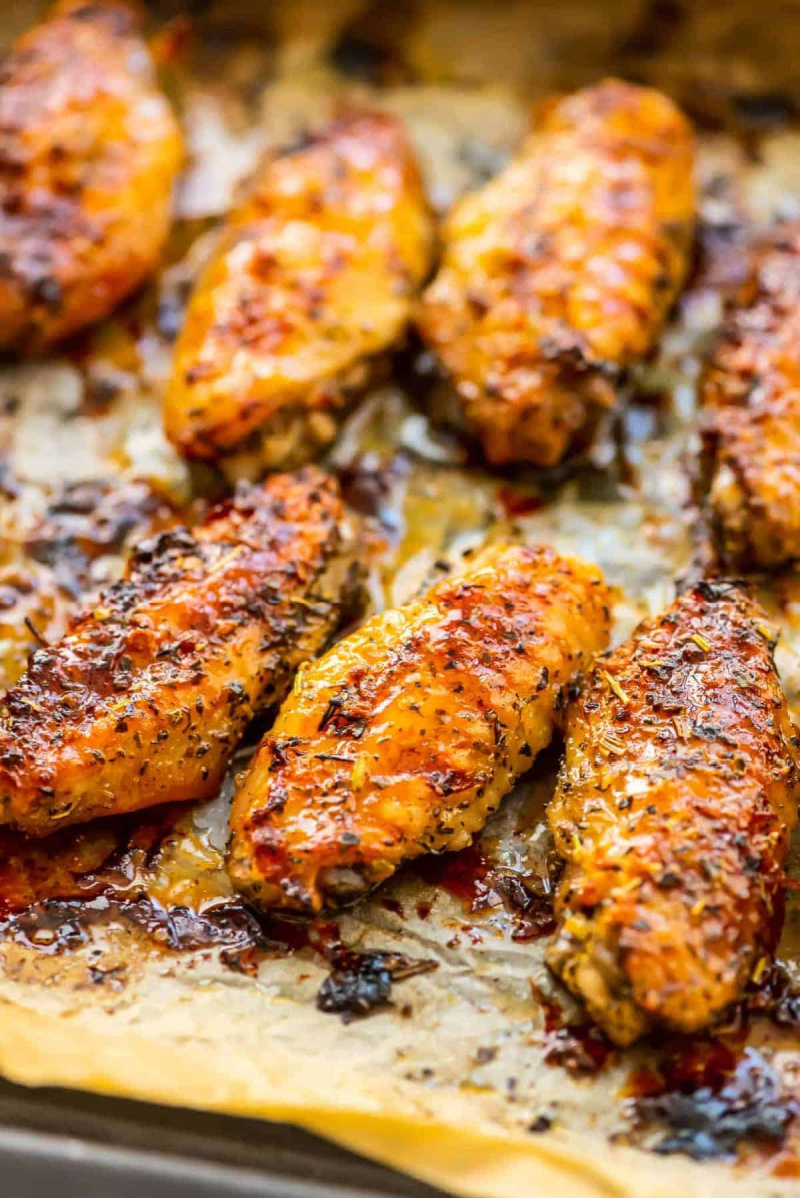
x=751 y=393
x=407 y=734
x=315 y=275
x=146 y=696
x=89 y=152
x=559 y=273
x=51 y=562
x=85 y=522
x=673 y=811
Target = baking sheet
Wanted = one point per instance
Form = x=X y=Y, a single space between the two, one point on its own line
x=480 y=1077
x=81 y=1143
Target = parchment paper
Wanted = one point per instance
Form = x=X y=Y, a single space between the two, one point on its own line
x=463 y=1080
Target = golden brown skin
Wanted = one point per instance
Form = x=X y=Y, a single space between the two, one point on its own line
x=559 y=273
x=751 y=392
x=144 y=699
x=408 y=733
x=316 y=273
x=89 y=152
x=674 y=807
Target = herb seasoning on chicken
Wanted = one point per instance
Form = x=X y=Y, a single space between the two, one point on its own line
x=673 y=811
x=89 y=152
x=316 y=274
x=145 y=697
x=559 y=273
x=407 y=734
x=751 y=393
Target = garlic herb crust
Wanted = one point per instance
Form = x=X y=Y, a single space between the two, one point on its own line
x=673 y=811
x=406 y=735
x=315 y=276
x=559 y=273
x=89 y=154
x=144 y=699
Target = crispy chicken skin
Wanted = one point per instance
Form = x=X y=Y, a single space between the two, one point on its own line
x=89 y=151
x=558 y=274
x=144 y=699
x=751 y=393
x=408 y=733
x=673 y=811
x=315 y=275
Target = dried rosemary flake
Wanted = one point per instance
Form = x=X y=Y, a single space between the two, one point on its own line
x=622 y=695
x=611 y=743
x=360 y=772
x=761 y=967
x=577 y=927
x=227 y=559
x=55 y=814
x=681 y=727
x=302 y=670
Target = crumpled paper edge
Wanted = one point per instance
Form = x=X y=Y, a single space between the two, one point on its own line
x=448 y=1147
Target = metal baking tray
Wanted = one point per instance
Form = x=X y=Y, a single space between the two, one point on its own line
x=79 y=1145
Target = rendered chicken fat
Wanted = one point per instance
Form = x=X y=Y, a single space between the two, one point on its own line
x=315 y=275
x=89 y=152
x=674 y=807
x=145 y=697
x=406 y=736
x=558 y=274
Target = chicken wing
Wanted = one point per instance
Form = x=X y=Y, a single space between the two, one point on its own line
x=751 y=393
x=558 y=274
x=673 y=811
x=315 y=276
x=89 y=152
x=144 y=699
x=407 y=734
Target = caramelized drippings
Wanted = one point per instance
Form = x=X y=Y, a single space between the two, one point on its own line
x=576 y=1045
x=516 y=502
x=464 y=875
x=55 y=926
x=777 y=996
x=361 y=983
x=54 y=891
x=108 y=857
x=711 y=1098
x=479 y=885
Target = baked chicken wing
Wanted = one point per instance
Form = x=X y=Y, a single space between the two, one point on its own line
x=408 y=733
x=559 y=273
x=751 y=393
x=89 y=152
x=145 y=697
x=673 y=811
x=315 y=275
